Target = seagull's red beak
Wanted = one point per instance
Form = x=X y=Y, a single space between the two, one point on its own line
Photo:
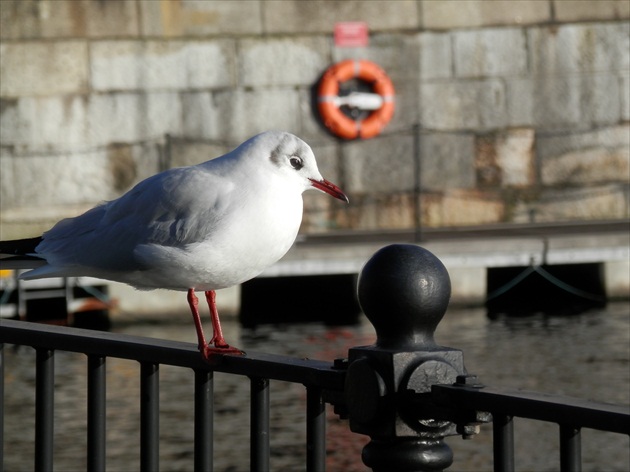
x=330 y=189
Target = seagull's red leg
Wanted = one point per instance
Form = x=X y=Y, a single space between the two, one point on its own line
x=217 y=333
x=193 y=302
x=220 y=346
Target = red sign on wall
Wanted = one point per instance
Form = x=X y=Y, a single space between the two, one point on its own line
x=351 y=34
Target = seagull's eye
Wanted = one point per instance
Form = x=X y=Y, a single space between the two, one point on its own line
x=296 y=162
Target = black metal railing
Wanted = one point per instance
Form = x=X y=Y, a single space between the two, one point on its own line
x=317 y=376
x=405 y=392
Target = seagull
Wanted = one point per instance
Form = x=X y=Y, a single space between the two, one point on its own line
x=204 y=227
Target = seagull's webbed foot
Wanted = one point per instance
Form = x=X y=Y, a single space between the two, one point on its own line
x=217 y=346
x=210 y=353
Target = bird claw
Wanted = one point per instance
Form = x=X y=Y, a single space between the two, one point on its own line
x=210 y=353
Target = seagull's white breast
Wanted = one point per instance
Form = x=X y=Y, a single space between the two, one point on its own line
x=257 y=226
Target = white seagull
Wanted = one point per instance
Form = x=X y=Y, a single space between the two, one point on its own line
x=203 y=227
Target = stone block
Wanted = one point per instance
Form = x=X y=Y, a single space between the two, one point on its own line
x=189 y=153
x=563 y=101
x=75 y=179
x=160 y=65
x=490 y=52
x=461 y=208
x=587 y=166
x=320 y=16
x=446 y=161
x=29 y=221
x=7 y=179
x=62 y=179
x=133 y=117
x=245 y=113
x=32 y=19
x=506 y=158
x=130 y=163
x=594 y=47
x=295 y=61
x=201 y=119
x=32 y=124
x=435 y=55
x=52 y=68
x=515 y=151
x=407 y=108
x=476 y=13
x=553 y=146
x=10 y=123
x=382 y=164
x=586 y=158
x=590 y=203
x=117 y=18
x=378 y=211
x=624 y=91
x=521 y=102
x=76 y=123
x=200 y=18
x=579 y=10
x=456 y=105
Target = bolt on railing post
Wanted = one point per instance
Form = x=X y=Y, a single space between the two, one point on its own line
x=404 y=291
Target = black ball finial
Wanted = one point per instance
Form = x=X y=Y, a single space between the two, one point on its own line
x=404 y=291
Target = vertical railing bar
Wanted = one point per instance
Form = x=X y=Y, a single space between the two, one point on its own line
x=96 y=392
x=204 y=417
x=44 y=408
x=570 y=449
x=315 y=430
x=259 y=424
x=1 y=406
x=149 y=416
x=503 y=443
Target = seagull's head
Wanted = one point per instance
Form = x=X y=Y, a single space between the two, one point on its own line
x=292 y=158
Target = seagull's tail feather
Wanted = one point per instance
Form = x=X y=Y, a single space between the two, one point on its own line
x=20 y=254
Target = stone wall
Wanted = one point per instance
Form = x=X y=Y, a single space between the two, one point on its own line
x=507 y=111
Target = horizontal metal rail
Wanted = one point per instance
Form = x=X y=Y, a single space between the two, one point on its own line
x=561 y=409
x=571 y=414
x=166 y=352
x=317 y=376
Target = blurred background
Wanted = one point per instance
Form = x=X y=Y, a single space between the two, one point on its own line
x=507 y=113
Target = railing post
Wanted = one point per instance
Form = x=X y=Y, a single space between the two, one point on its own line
x=315 y=430
x=503 y=443
x=149 y=416
x=204 y=420
x=404 y=291
x=259 y=425
x=570 y=449
x=96 y=398
x=44 y=408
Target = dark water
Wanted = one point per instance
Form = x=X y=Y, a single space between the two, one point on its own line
x=584 y=356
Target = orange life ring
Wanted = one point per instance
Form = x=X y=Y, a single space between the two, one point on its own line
x=328 y=94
